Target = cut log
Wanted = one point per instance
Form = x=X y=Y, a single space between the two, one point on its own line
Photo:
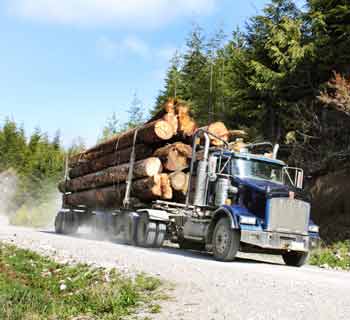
x=174 y=156
x=150 y=133
x=237 y=145
x=218 y=129
x=110 y=160
x=172 y=119
x=147 y=189
x=167 y=191
x=179 y=181
x=112 y=175
x=187 y=126
x=237 y=134
x=167 y=107
x=112 y=197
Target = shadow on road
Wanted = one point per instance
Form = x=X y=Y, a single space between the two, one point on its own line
x=170 y=249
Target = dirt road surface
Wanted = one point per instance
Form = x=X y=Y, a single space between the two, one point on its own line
x=204 y=288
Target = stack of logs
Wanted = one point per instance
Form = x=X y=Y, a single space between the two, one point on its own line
x=98 y=176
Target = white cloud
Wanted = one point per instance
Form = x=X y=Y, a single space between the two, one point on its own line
x=113 y=48
x=119 y=13
x=130 y=45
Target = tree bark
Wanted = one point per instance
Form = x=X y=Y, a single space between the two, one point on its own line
x=218 y=129
x=150 y=133
x=187 y=126
x=110 y=160
x=112 y=175
x=179 y=181
x=174 y=156
x=112 y=197
x=237 y=134
x=167 y=191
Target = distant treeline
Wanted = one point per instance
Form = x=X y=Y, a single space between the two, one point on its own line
x=285 y=77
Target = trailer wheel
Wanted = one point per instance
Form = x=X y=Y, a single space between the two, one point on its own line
x=295 y=258
x=59 y=222
x=130 y=225
x=146 y=232
x=160 y=234
x=66 y=222
x=225 y=241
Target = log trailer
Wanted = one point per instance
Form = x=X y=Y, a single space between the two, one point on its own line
x=236 y=201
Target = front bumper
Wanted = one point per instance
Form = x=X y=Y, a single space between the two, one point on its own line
x=280 y=241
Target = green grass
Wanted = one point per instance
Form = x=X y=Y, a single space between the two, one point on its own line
x=33 y=287
x=335 y=256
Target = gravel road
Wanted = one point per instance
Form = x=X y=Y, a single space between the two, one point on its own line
x=204 y=288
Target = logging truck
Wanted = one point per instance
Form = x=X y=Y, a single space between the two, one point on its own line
x=235 y=201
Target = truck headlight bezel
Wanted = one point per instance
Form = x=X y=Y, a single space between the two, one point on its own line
x=247 y=220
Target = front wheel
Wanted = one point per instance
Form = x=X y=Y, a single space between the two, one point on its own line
x=295 y=258
x=225 y=241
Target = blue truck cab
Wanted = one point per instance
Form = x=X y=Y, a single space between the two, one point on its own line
x=249 y=202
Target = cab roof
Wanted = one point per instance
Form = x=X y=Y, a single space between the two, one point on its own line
x=248 y=156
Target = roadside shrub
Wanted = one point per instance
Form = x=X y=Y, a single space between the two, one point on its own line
x=336 y=256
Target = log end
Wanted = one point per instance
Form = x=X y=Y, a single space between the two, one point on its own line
x=163 y=130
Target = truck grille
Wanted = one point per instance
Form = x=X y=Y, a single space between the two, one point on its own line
x=288 y=215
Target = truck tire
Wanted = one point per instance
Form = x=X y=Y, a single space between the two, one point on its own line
x=295 y=258
x=160 y=234
x=146 y=233
x=100 y=226
x=66 y=222
x=225 y=241
x=59 y=222
x=130 y=230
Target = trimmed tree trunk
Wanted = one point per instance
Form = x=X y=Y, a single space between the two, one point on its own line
x=110 y=160
x=174 y=156
x=167 y=191
x=187 y=126
x=218 y=129
x=167 y=107
x=150 y=133
x=237 y=134
x=112 y=175
x=179 y=181
x=172 y=119
x=112 y=197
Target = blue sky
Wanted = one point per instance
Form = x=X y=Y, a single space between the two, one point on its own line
x=69 y=64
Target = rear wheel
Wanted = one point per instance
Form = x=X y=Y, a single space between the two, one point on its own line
x=295 y=258
x=160 y=234
x=66 y=222
x=225 y=241
x=146 y=233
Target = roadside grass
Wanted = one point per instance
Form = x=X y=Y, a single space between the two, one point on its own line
x=33 y=287
x=335 y=256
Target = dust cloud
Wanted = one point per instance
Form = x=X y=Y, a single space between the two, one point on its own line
x=8 y=188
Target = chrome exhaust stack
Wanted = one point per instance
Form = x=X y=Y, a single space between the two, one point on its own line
x=200 y=196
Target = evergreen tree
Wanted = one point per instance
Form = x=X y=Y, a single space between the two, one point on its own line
x=136 y=113
x=111 y=128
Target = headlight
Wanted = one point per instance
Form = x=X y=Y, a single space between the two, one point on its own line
x=247 y=220
x=314 y=228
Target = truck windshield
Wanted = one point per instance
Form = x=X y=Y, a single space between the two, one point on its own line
x=257 y=169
